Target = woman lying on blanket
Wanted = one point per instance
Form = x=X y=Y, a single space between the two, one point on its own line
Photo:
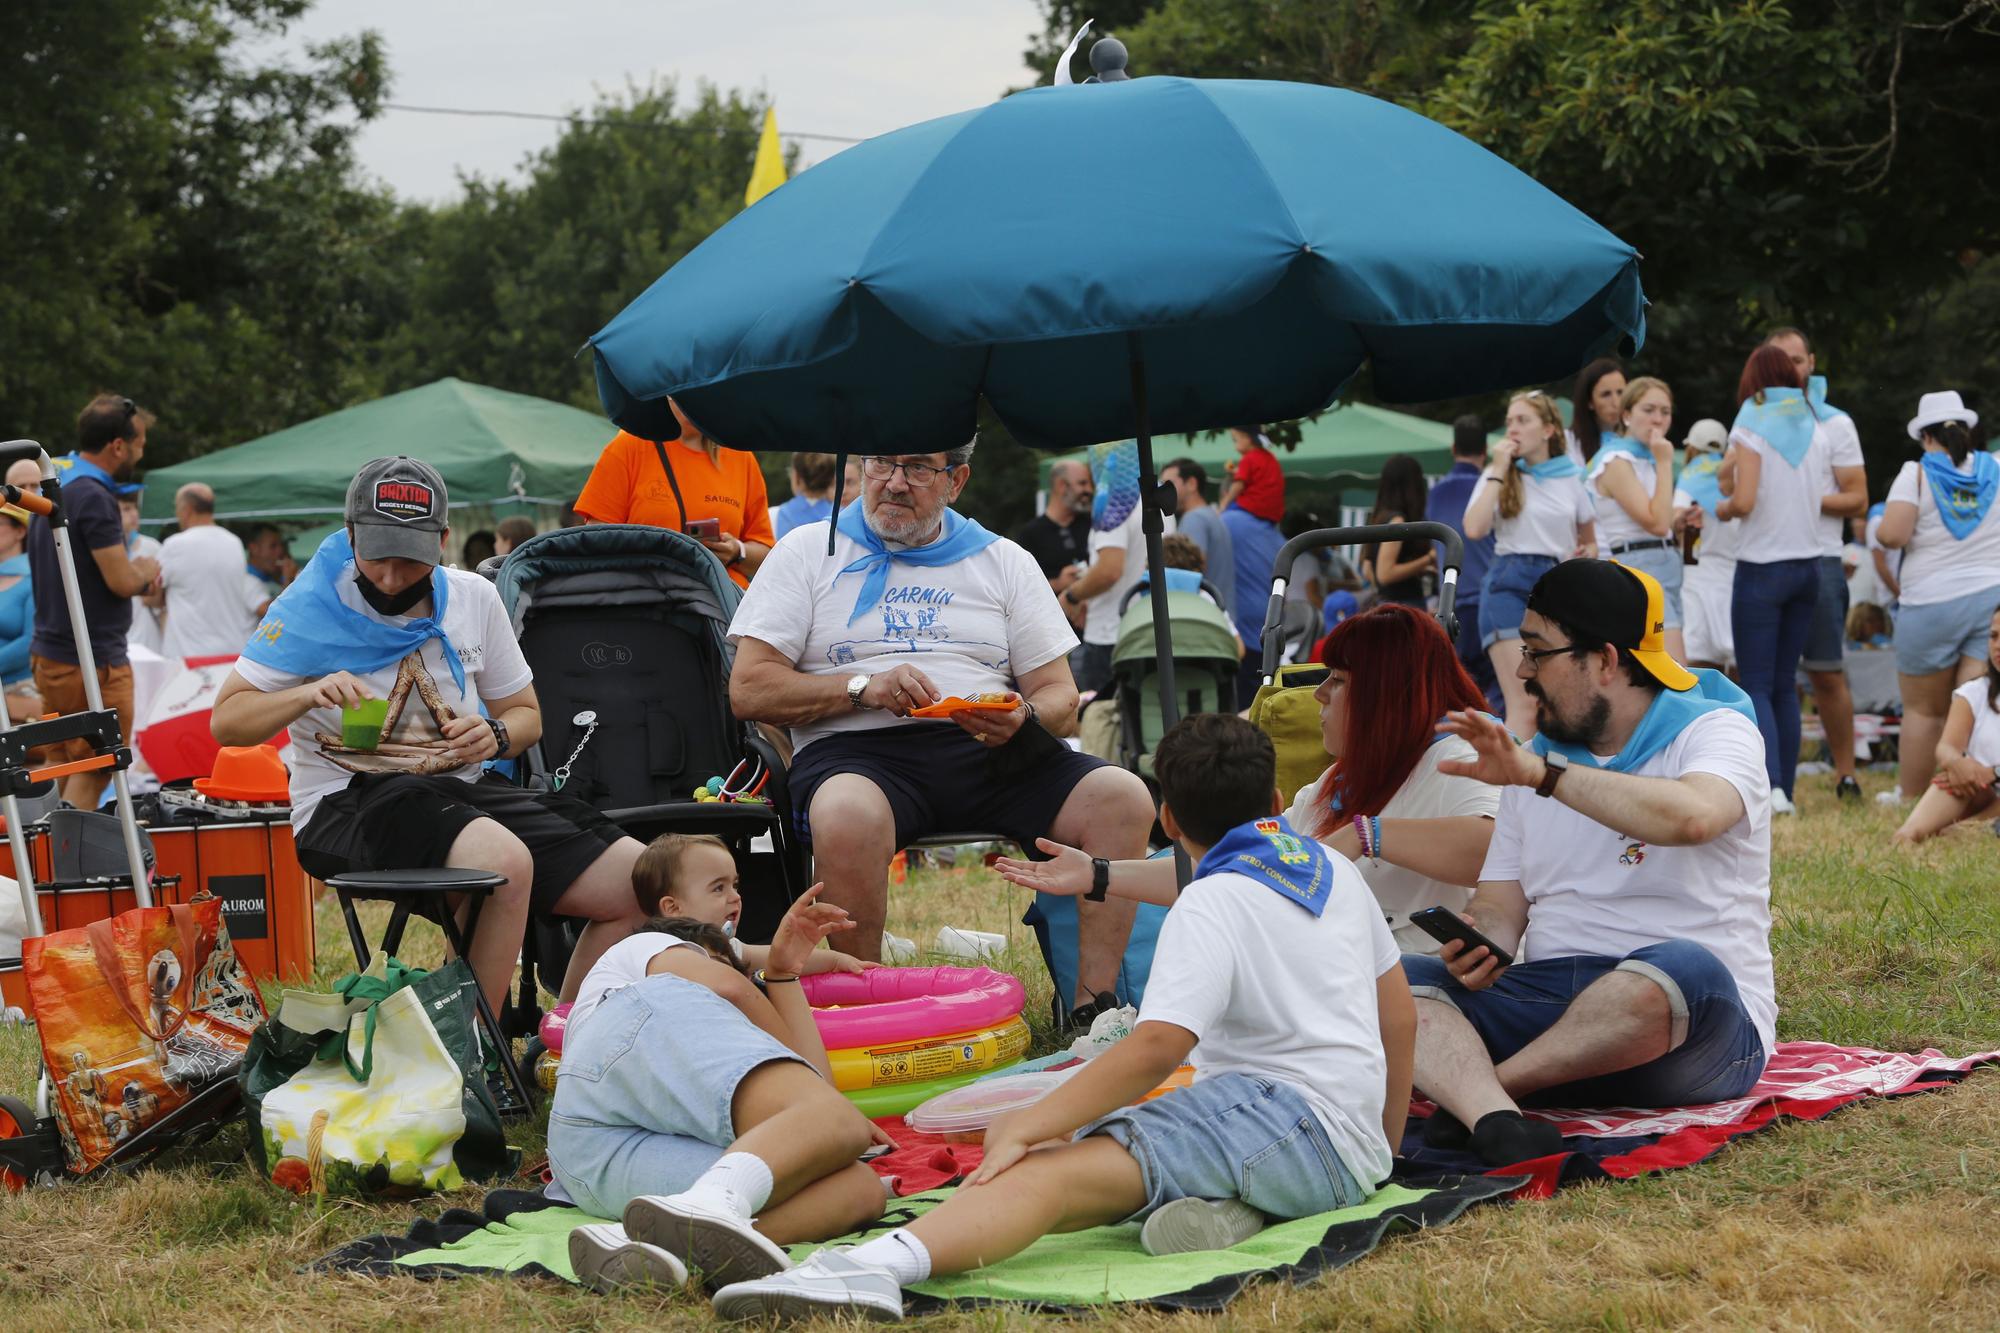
x=1417 y=835
x=692 y=1077
x=1966 y=754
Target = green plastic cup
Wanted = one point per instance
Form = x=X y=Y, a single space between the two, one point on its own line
x=361 y=725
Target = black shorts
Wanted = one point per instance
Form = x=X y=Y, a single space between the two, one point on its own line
x=938 y=779
x=402 y=821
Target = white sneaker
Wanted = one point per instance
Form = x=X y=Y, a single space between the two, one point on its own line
x=1187 y=1225
x=1892 y=797
x=1781 y=804
x=719 y=1244
x=604 y=1259
x=829 y=1281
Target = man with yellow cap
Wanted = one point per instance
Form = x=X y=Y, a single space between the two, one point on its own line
x=1629 y=877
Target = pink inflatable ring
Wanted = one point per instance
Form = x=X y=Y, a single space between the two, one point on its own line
x=891 y=1004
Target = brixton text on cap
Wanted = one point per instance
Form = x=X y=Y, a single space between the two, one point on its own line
x=1615 y=603
x=398 y=508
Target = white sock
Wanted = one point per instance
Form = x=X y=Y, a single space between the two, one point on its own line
x=901 y=1253
x=737 y=1180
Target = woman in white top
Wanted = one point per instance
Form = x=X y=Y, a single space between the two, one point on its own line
x=1778 y=470
x=1532 y=498
x=1940 y=514
x=1966 y=754
x=1632 y=484
x=1708 y=584
x=1417 y=835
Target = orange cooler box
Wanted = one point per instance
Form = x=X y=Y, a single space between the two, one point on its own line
x=249 y=864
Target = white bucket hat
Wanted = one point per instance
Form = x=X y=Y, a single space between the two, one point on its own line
x=1933 y=408
x=1707 y=434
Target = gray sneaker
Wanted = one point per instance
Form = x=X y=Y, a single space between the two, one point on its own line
x=827 y=1282
x=1187 y=1225
x=604 y=1259
x=718 y=1245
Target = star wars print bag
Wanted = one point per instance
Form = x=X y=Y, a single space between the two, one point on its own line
x=137 y=1014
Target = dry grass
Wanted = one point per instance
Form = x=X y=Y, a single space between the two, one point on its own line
x=1883 y=1216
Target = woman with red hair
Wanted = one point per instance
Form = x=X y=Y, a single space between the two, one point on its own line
x=1418 y=835
x=1778 y=470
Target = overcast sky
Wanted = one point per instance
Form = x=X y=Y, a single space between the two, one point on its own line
x=855 y=68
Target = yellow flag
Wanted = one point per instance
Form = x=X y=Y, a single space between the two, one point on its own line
x=769 y=172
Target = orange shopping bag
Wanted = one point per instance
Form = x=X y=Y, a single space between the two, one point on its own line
x=137 y=1013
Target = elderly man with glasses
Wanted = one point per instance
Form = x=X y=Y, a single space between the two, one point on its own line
x=1628 y=881
x=853 y=646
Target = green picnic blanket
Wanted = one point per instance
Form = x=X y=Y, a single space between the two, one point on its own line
x=524 y=1234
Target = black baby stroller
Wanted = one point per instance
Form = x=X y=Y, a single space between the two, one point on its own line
x=625 y=629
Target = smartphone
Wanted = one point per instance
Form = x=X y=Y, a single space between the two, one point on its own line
x=703 y=529
x=1445 y=926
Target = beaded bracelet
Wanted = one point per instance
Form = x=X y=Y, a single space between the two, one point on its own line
x=1361 y=832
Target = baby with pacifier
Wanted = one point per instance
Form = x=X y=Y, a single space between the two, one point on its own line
x=694 y=1098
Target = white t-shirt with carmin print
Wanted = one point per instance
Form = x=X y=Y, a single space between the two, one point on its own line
x=1594 y=890
x=477 y=625
x=973 y=627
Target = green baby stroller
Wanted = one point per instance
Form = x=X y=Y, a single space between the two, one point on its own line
x=1206 y=660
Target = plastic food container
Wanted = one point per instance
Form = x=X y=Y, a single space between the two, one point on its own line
x=963 y=1114
x=361 y=724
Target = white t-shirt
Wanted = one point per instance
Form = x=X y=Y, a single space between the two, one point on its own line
x=1100 y=613
x=1268 y=989
x=1593 y=890
x=1551 y=513
x=1614 y=525
x=145 y=631
x=622 y=965
x=480 y=632
x=1843 y=450
x=1985 y=743
x=1872 y=535
x=974 y=627
x=1785 y=524
x=1936 y=566
x=210 y=605
x=1425 y=794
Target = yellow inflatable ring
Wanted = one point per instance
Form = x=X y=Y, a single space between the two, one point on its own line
x=895 y=1064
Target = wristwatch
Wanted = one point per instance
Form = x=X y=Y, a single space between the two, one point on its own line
x=1554 y=765
x=1100 y=880
x=856 y=684
x=499 y=736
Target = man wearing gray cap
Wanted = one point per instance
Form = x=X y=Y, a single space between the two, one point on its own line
x=377 y=615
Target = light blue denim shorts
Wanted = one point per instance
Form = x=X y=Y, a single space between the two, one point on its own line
x=1664 y=564
x=1931 y=638
x=644 y=1092
x=1234 y=1136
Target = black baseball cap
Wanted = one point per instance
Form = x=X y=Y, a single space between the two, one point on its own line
x=398 y=509
x=1616 y=604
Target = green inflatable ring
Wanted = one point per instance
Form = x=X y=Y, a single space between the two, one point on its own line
x=902 y=1098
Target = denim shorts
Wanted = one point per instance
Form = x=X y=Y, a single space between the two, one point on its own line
x=1714 y=1052
x=1664 y=564
x=1933 y=637
x=1829 y=619
x=643 y=1095
x=1503 y=594
x=1234 y=1136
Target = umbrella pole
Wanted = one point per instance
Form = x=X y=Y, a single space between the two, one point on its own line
x=1156 y=560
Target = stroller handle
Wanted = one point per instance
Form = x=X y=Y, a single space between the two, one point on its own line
x=1319 y=538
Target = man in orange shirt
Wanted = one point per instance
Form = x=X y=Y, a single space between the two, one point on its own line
x=681 y=483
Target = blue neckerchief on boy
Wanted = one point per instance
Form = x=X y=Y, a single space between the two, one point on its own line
x=1785 y=419
x=1671 y=714
x=1549 y=469
x=308 y=631
x=958 y=539
x=1701 y=483
x=1624 y=444
x=76 y=465
x=1268 y=851
x=14 y=564
x=1962 y=497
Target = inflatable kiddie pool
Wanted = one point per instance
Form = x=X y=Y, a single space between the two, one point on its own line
x=898 y=1036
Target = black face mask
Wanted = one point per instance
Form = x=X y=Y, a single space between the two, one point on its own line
x=385 y=604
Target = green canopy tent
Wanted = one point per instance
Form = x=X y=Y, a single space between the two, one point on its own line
x=498 y=452
x=1348 y=444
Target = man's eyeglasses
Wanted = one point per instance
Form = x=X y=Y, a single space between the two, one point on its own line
x=916 y=474
x=1533 y=656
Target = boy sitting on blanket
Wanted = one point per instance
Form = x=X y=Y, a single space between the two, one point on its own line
x=1276 y=960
